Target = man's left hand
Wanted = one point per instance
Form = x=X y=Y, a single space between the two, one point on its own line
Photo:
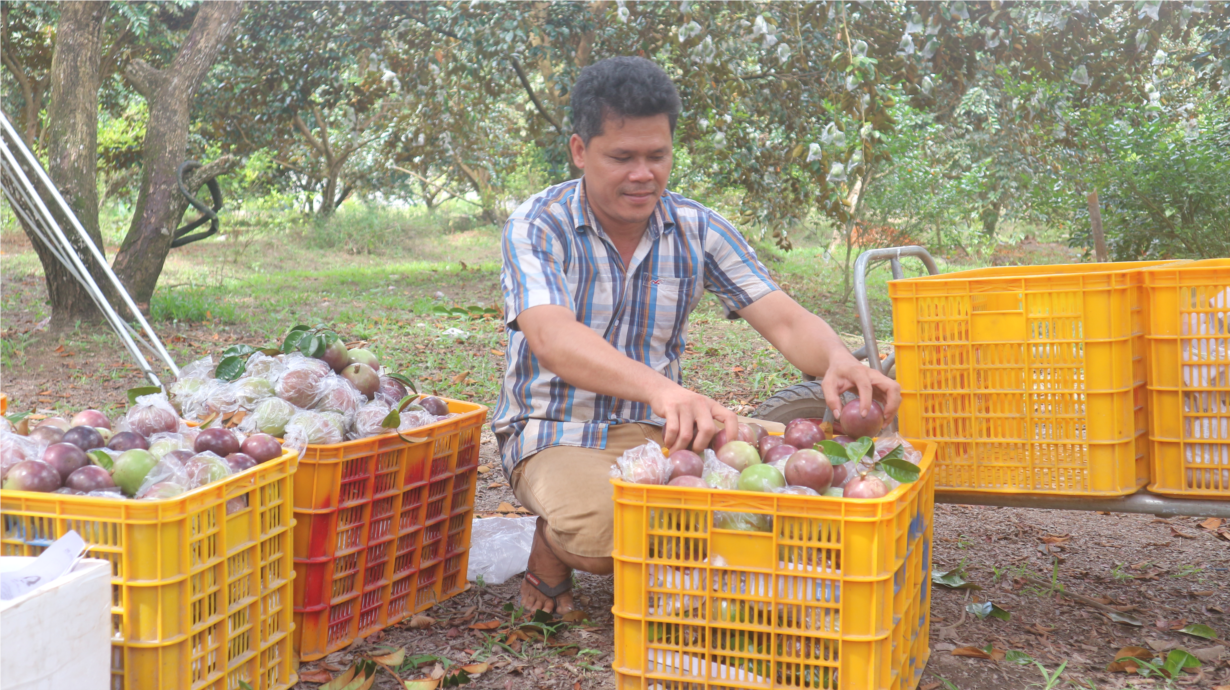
x=845 y=373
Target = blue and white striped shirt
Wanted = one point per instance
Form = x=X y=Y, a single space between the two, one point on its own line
x=555 y=252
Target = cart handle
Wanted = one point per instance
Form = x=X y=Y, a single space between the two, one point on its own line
x=894 y=256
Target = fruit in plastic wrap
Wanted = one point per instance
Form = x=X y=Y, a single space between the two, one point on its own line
x=743 y=522
x=46 y=434
x=161 y=444
x=162 y=490
x=739 y=455
x=368 y=420
x=311 y=428
x=261 y=365
x=338 y=422
x=271 y=416
x=58 y=422
x=809 y=468
x=90 y=478
x=32 y=475
x=301 y=387
x=363 y=377
x=205 y=468
x=719 y=475
x=760 y=477
x=152 y=414
x=92 y=418
x=644 y=464
x=130 y=469
x=15 y=449
x=391 y=391
x=796 y=491
x=434 y=405
x=65 y=458
x=249 y=391
x=688 y=481
x=240 y=462
x=340 y=396
x=185 y=390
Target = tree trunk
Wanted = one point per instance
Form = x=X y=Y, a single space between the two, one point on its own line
x=72 y=146
x=1095 y=226
x=169 y=93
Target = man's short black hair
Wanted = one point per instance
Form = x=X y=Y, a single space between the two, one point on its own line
x=621 y=87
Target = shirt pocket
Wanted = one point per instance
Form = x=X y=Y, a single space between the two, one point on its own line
x=666 y=304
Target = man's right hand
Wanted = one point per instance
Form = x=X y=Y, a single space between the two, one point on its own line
x=689 y=417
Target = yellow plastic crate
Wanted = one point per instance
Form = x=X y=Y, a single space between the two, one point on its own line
x=382 y=528
x=835 y=595
x=1030 y=378
x=201 y=592
x=1189 y=378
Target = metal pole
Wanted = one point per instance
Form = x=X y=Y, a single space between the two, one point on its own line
x=75 y=264
x=33 y=163
x=1139 y=502
x=894 y=255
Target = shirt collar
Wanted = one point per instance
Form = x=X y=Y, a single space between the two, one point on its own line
x=662 y=221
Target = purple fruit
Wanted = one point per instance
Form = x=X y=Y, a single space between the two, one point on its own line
x=809 y=468
x=180 y=454
x=162 y=490
x=779 y=453
x=65 y=458
x=221 y=442
x=92 y=418
x=240 y=462
x=858 y=426
x=362 y=377
x=391 y=391
x=127 y=440
x=768 y=443
x=758 y=433
x=843 y=439
x=434 y=406
x=33 y=475
x=803 y=433
x=686 y=463
x=721 y=438
x=90 y=478
x=261 y=447
x=46 y=434
x=688 y=481
x=84 y=437
x=301 y=387
x=865 y=486
x=148 y=420
x=840 y=474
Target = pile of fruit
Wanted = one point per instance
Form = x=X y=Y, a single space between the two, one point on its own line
x=149 y=453
x=801 y=461
x=311 y=390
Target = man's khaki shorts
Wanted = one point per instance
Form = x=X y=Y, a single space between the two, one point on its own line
x=571 y=487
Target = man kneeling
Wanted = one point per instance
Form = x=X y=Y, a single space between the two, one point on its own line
x=599 y=277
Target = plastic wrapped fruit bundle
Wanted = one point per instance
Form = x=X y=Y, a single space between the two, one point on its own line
x=149 y=456
x=342 y=395
x=750 y=461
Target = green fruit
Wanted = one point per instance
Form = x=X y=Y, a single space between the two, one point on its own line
x=250 y=391
x=763 y=478
x=130 y=469
x=271 y=416
x=337 y=420
x=163 y=446
x=362 y=356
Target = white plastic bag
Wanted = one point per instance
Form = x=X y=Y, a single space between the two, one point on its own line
x=499 y=548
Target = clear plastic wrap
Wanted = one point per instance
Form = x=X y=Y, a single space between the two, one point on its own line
x=201 y=368
x=795 y=490
x=163 y=442
x=340 y=396
x=250 y=390
x=152 y=414
x=719 y=475
x=743 y=522
x=270 y=416
x=885 y=445
x=391 y=391
x=6 y=427
x=15 y=448
x=310 y=428
x=167 y=471
x=263 y=366
x=415 y=419
x=499 y=548
x=367 y=421
x=302 y=386
x=205 y=468
x=644 y=464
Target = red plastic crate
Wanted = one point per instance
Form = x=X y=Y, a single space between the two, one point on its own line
x=383 y=529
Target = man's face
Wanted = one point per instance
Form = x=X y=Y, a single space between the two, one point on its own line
x=626 y=169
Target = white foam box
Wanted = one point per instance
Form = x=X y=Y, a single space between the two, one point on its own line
x=58 y=636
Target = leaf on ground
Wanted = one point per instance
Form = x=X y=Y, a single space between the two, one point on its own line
x=1126 y=619
x=1016 y=656
x=483 y=469
x=952 y=579
x=393 y=658
x=1058 y=539
x=1210 y=655
x=505 y=507
x=1180 y=659
x=929 y=686
x=1199 y=630
x=421 y=684
x=341 y=681
x=317 y=675
x=476 y=669
x=460 y=377
x=972 y=652
x=1125 y=659
x=485 y=625
x=1211 y=524
x=575 y=616
x=420 y=621
x=1185 y=535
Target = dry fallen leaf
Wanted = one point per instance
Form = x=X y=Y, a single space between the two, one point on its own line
x=341 y=681
x=972 y=652
x=1124 y=659
x=506 y=507
x=437 y=672
x=1210 y=655
x=422 y=684
x=487 y=625
x=317 y=675
x=1185 y=535
x=422 y=621
x=393 y=658
x=460 y=377
x=1056 y=539
x=929 y=686
x=574 y=616
x=483 y=469
x=1211 y=524
x=476 y=669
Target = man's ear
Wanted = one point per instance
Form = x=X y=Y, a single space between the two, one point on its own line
x=577 y=147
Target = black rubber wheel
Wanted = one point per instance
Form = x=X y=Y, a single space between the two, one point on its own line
x=800 y=400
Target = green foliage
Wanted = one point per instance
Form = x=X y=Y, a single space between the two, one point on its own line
x=190 y=305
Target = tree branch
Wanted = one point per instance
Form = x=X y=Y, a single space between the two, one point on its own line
x=144 y=79
x=210 y=170
x=533 y=96
x=436 y=188
x=294 y=167
x=324 y=134
x=307 y=134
